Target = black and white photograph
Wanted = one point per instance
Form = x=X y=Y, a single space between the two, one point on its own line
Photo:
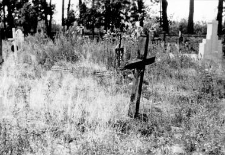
x=112 y=77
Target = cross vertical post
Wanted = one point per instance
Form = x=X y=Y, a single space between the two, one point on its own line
x=63 y=20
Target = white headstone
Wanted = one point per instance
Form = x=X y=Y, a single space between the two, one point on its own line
x=17 y=41
x=19 y=37
x=1 y=55
x=211 y=47
x=137 y=24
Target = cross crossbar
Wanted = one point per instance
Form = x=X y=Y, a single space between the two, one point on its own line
x=139 y=63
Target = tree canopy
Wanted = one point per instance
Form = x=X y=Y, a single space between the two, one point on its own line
x=111 y=14
x=105 y=14
x=25 y=14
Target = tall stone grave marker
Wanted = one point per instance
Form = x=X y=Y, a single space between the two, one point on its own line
x=211 y=47
x=1 y=56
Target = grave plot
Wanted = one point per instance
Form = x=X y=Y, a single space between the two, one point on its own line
x=20 y=55
x=194 y=47
x=190 y=45
x=184 y=43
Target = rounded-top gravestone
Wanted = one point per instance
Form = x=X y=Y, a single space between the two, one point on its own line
x=19 y=36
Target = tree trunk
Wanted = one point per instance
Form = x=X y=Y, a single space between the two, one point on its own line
x=220 y=16
x=141 y=12
x=93 y=3
x=80 y=11
x=80 y=8
x=68 y=8
x=4 y=22
x=10 y=19
x=68 y=12
x=80 y=3
x=46 y=16
x=93 y=26
x=50 y=20
x=107 y=14
x=63 y=15
x=191 y=18
x=164 y=16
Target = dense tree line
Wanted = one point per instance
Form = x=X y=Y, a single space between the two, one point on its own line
x=106 y=14
x=117 y=14
x=111 y=14
x=25 y=14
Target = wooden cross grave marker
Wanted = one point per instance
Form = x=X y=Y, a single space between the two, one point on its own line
x=139 y=69
x=119 y=52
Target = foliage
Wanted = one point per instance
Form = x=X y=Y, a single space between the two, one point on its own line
x=200 y=27
x=70 y=19
x=110 y=14
x=24 y=13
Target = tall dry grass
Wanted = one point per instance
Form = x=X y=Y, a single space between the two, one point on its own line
x=54 y=101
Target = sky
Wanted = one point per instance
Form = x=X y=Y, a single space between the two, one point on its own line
x=204 y=10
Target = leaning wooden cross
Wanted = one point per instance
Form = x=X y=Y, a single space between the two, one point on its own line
x=139 y=69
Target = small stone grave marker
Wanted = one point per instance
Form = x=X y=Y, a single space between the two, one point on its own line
x=119 y=52
x=180 y=37
x=19 y=38
x=141 y=47
x=81 y=30
x=155 y=39
x=139 y=69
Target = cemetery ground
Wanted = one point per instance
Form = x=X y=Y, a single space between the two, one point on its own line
x=66 y=98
